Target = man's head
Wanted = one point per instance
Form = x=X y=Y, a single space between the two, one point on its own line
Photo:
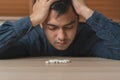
x=60 y=26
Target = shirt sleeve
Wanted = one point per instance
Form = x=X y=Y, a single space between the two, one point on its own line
x=11 y=32
x=109 y=33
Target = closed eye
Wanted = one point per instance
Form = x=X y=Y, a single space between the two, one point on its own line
x=52 y=27
x=68 y=27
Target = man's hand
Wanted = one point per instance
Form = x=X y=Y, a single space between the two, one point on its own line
x=40 y=11
x=82 y=9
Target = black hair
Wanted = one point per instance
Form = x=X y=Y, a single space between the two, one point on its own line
x=60 y=6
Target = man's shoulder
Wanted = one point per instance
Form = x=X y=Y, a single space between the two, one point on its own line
x=85 y=29
x=84 y=25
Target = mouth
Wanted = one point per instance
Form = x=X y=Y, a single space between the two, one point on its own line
x=61 y=43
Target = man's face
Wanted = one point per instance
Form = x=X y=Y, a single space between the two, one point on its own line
x=61 y=30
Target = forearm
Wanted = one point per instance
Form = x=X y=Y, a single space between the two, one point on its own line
x=108 y=32
x=104 y=27
x=12 y=31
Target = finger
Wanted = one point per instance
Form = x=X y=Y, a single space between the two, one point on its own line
x=36 y=2
x=51 y=1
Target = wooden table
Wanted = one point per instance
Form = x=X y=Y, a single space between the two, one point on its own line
x=78 y=69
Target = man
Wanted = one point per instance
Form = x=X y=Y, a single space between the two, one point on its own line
x=53 y=29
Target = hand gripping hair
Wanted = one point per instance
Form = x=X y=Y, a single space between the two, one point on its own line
x=60 y=6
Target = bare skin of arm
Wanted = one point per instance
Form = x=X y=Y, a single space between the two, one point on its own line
x=82 y=9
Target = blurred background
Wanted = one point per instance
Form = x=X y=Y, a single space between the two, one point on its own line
x=15 y=9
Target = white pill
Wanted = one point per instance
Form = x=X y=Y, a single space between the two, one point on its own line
x=60 y=61
x=51 y=61
x=47 y=62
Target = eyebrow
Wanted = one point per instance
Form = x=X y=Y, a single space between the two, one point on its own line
x=73 y=21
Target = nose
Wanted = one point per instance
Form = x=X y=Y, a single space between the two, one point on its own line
x=61 y=35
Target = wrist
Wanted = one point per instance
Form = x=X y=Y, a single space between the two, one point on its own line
x=33 y=20
x=86 y=12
